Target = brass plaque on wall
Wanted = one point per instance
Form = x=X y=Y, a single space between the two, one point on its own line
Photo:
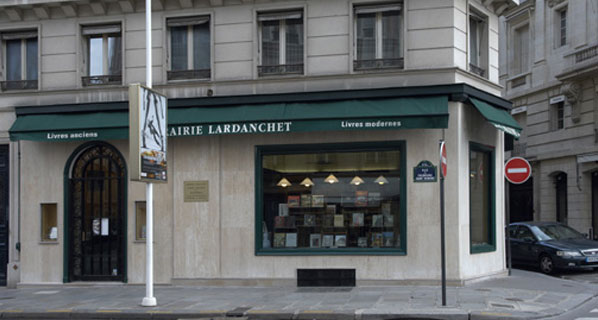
x=195 y=191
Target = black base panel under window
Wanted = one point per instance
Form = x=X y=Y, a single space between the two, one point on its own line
x=325 y=277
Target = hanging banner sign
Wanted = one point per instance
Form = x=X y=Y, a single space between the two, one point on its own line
x=147 y=134
x=425 y=171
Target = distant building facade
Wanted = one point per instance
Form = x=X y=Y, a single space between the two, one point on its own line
x=549 y=69
x=302 y=135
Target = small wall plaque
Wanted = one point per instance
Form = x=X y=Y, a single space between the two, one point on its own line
x=195 y=191
x=425 y=171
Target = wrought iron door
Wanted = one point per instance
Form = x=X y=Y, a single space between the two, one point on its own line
x=3 y=213
x=97 y=215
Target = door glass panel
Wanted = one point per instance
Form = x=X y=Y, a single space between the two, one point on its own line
x=32 y=59
x=96 y=65
x=13 y=60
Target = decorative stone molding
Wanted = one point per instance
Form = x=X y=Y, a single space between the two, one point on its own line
x=572 y=92
x=552 y=3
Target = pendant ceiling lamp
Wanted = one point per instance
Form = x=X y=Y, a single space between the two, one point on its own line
x=283 y=183
x=307 y=182
x=381 y=180
x=331 y=179
x=357 y=181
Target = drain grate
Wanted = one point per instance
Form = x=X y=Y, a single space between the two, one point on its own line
x=325 y=277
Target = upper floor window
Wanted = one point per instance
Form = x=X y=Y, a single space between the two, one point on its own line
x=21 y=60
x=104 y=54
x=562 y=27
x=281 y=43
x=378 y=37
x=521 y=54
x=558 y=116
x=189 y=48
x=478 y=43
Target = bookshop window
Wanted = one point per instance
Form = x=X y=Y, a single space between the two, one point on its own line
x=333 y=199
x=49 y=232
x=481 y=195
x=139 y=220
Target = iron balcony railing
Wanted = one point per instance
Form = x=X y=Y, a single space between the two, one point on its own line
x=281 y=69
x=395 y=63
x=189 y=74
x=102 y=80
x=477 y=70
x=18 y=85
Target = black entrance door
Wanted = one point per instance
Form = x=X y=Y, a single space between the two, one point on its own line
x=3 y=213
x=97 y=215
x=561 y=198
x=521 y=197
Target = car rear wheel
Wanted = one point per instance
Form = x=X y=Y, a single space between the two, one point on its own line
x=546 y=264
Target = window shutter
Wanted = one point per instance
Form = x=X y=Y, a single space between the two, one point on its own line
x=378 y=8
x=187 y=21
x=28 y=34
x=100 y=29
x=275 y=16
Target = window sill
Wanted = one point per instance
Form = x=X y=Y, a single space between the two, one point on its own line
x=49 y=242
x=482 y=248
x=332 y=252
x=139 y=241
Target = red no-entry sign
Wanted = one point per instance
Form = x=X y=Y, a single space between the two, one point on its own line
x=443 y=161
x=517 y=170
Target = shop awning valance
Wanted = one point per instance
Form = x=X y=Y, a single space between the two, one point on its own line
x=362 y=114
x=499 y=118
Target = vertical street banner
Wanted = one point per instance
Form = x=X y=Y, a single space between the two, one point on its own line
x=147 y=134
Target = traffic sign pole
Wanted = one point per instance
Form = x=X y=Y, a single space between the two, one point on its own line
x=443 y=171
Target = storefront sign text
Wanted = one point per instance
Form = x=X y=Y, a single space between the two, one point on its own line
x=425 y=171
x=70 y=136
x=370 y=124
x=230 y=128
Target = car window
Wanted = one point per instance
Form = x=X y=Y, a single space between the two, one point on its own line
x=513 y=231
x=556 y=232
x=524 y=233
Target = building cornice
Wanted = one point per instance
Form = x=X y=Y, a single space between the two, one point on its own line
x=456 y=92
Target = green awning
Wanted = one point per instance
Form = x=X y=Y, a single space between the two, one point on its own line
x=372 y=114
x=499 y=118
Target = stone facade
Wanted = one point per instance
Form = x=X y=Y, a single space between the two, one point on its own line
x=213 y=242
x=555 y=100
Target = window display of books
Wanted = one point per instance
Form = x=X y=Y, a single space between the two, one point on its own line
x=291 y=240
x=314 y=240
x=339 y=220
x=317 y=200
x=359 y=219
x=327 y=241
x=309 y=220
x=306 y=200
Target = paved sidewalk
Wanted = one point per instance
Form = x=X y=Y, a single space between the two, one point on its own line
x=524 y=295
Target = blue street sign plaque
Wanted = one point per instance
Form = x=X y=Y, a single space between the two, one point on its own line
x=425 y=171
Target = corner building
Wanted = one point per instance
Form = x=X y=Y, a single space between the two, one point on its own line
x=553 y=83
x=302 y=135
